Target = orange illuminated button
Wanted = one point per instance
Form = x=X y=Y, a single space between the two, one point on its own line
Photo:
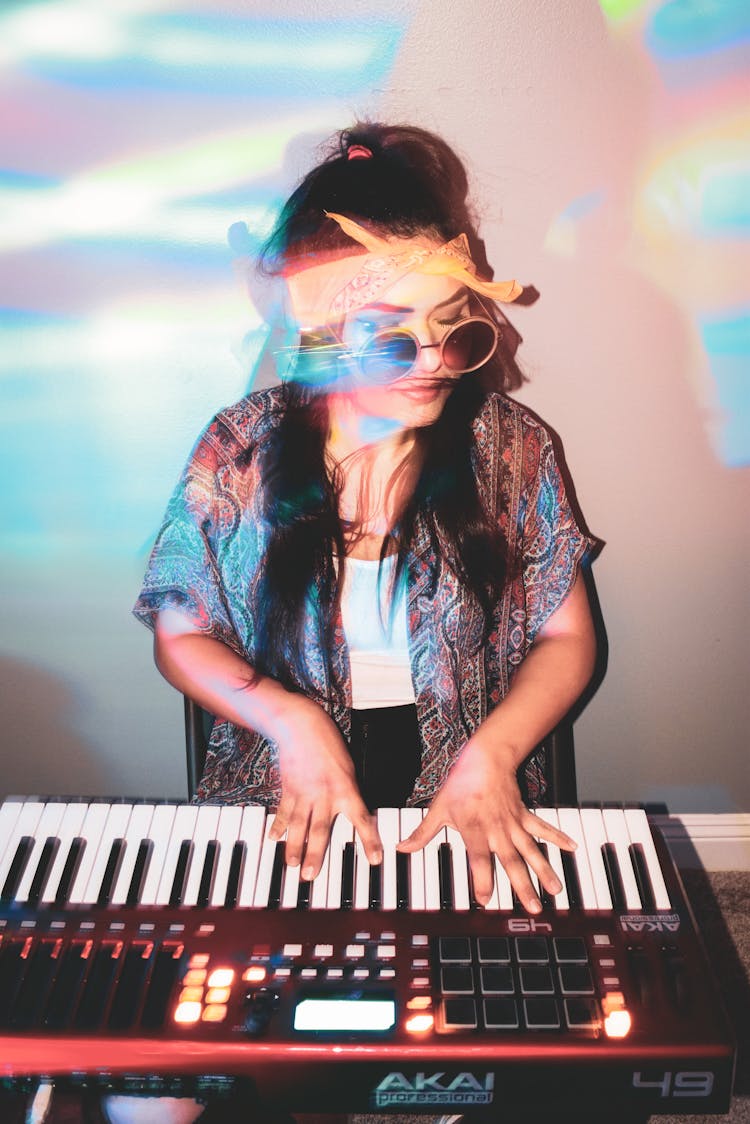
x=199 y=960
x=194 y=977
x=256 y=973
x=214 y=1012
x=187 y=1012
x=221 y=977
x=420 y=1023
x=217 y=994
x=617 y=1020
x=419 y=1003
x=191 y=995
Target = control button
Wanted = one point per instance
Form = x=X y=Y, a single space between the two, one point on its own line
x=602 y=940
x=256 y=973
x=420 y=981
x=308 y=973
x=198 y=960
x=541 y=1014
x=186 y=1013
x=282 y=973
x=194 y=977
x=457 y=979
x=360 y=973
x=500 y=1014
x=387 y=973
x=191 y=995
x=496 y=979
x=323 y=951
x=493 y=950
x=606 y=963
x=385 y=951
x=570 y=950
x=420 y=963
x=261 y=951
x=532 y=950
x=575 y=979
x=221 y=977
x=218 y=994
x=536 y=979
x=334 y=973
x=388 y=936
x=419 y=1003
x=361 y=936
x=459 y=1013
x=581 y=1014
x=611 y=981
x=455 y=950
x=214 y=1013
x=420 y=940
x=354 y=951
x=291 y=951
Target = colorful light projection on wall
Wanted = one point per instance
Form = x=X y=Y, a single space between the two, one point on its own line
x=138 y=137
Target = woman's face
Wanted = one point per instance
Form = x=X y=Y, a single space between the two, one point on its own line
x=428 y=307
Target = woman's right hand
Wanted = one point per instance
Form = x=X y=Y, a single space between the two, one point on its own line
x=317 y=782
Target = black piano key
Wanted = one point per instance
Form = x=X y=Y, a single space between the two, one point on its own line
x=277 y=876
x=376 y=886
x=32 y=994
x=17 y=867
x=73 y=861
x=545 y=897
x=614 y=878
x=12 y=970
x=98 y=985
x=572 y=884
x=642 y=877
x=140 y=867
x=46 y=859
x=163 y=977
x=130 y=986
x=180 y=874
x=62 y=1002
x=207 y=877
x=236 y=866
x=112 y=869
x=402 y=880
x=347 y=876
x=445 y=873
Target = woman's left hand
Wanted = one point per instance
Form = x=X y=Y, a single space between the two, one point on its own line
x=481 y=799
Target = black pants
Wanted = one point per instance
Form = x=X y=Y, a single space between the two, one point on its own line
x=386 y=752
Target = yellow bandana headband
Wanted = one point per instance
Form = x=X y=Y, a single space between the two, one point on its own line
x=326 y=293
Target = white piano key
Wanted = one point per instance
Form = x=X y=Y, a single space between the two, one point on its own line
x=341 y=834
x=290 y=888
x=9 y=813
x=501 y=897
x=319 y=884
x=570 y=823
x=227 y=834
x=617 y=834
x=640 y=832
x=206 y=826
x=70 y=828
x=409 y=821
x=91 y=831
x=432 y=870
x=25 y=825
x=47 y=828
x=388 y=829
x=183 y=827
x=160 y=833
x=596 y=837
x=252 y=830
x=554 y=855
x=265 y=867
x=461 y=895
x=137 y=830
x=114 y=828
x=361 y=876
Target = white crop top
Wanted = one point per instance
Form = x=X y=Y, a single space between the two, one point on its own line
x=376 y=635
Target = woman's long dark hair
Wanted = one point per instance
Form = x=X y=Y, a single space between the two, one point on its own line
x=413 y=183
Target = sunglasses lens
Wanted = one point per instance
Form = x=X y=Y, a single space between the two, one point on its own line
x=389 y=356
x=469 y=345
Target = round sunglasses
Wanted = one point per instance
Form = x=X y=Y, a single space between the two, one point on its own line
x=392 y=353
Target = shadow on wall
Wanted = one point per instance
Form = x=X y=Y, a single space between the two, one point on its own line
x=37 y=719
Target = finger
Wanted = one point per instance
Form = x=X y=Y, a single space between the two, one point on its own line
x=366 y=828
x=482 y=874
x=426 y=831
x=518 y=875
x=296 y=834
x=543 y=830
x=280 y=820
x=318 y=837
x=537 y=860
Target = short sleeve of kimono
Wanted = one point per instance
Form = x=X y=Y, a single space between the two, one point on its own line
x=182 y=570
x=553 y=544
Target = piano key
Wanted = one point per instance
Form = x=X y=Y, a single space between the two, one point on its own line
x=409 y=820
x=160 y=831
x=236 y=865
x=402 y=881
x=554 y=857
x=570 y=823
x=596 y=837
x=640 y=833
x=501 y=897
x=319 y=884
x=68 y=876
x=10 y=810
x=176 y=855
x=645 y=889
x=141 y=867
x=617 y=834
x=361 y=876
x=572 y=884
x=431 y=852
x=265 y=866
x=445 y=873
x=342 y=833
x=375 y=892
x=91 y=832
x=24 y=828
x=68 y=830
x=177 y=889
x=460 y=870
x=115 y=826
x=110 y=872
x=227 y=833
x=44 y=866
x=204 y=832
x=277 y=876
x=388 y=829
x=46 y=828
x=252 y=831
x=18 y=865
x=616 y=890
x=136 y=831
x=347 y=876
x=290 y=892
x=207 y=877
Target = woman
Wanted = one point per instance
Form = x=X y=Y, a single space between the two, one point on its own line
x=372 y=573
